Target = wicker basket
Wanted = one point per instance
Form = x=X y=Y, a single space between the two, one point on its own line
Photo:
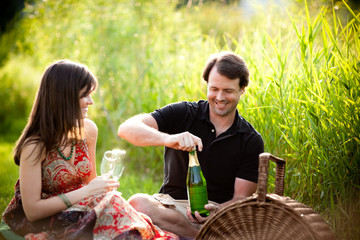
x=266 y=216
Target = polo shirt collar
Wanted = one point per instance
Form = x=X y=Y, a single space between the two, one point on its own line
x=239 y=125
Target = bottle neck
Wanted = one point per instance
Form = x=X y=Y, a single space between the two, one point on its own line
x=193 y=160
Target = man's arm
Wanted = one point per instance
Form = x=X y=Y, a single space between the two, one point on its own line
x=242 y=189
x=142 y=130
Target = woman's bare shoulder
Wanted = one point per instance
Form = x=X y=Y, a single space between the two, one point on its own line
x=32 y=151
x=90 y=128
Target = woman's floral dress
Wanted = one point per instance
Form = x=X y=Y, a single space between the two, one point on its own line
x=105 y=216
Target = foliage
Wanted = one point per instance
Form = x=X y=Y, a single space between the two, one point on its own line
x=8 y=173
x=303 y=96
x=16 y=96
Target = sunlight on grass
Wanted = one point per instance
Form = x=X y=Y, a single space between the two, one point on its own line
x=8 y=174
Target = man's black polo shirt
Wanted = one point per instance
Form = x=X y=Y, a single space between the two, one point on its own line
x=234 y=153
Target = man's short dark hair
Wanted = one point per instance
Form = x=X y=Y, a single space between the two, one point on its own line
x=230 y=65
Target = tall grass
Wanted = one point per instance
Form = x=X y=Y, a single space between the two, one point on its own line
x=8 y=174
x=303 y=96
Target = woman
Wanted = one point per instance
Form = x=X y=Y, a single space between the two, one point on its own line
x=58 y=194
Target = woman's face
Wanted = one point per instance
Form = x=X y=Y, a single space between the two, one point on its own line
x=85 y=101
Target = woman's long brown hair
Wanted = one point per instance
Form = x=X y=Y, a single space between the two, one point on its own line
x=56 y=113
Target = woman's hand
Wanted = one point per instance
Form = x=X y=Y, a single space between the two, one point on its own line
x=198 y=218
x=101 y=184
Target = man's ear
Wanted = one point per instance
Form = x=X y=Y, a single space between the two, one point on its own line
x=242 y=90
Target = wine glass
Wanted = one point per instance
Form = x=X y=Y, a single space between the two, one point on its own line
x=112 y=164
x=119 y=163
x=107 y=164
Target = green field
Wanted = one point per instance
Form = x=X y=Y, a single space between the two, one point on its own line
x=304 y=94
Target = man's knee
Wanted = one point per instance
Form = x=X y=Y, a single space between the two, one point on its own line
x=142 y=203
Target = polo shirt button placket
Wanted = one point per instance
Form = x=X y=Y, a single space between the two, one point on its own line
x=213 y=134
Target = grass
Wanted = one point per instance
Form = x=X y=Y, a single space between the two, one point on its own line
x=303 y=96
x=8 y=173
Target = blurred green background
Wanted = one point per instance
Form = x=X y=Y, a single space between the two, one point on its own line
x=303 y=96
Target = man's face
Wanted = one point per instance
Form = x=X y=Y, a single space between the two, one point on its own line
x=223 y=94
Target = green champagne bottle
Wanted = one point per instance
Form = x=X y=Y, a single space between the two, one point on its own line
x=196 y=186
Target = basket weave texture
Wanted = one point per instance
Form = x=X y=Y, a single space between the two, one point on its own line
x=267 y=216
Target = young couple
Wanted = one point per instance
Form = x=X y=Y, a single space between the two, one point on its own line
x=58 y=194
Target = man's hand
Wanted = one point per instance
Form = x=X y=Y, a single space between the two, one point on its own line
x=183 y=141
x=198 y=218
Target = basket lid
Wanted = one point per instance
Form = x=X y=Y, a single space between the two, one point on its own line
x=277 y=218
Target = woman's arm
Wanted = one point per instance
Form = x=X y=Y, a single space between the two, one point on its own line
x=36 y=208
x=91 y=133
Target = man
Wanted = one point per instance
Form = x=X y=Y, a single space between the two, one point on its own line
x=228 y=147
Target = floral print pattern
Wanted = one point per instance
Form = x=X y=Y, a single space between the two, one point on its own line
x=105 y=216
